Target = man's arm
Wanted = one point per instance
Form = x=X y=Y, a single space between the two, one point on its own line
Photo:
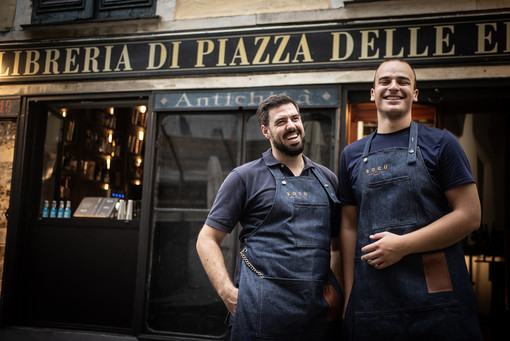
x=348 y=234
x=208 y=248
x=336 y=265
x=389 y=248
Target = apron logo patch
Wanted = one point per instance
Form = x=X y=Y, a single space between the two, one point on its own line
x=297 y=195
x=377 y=170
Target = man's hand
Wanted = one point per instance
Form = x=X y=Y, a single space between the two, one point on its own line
x=451 y=228
x=385 y=251
x=230 y=299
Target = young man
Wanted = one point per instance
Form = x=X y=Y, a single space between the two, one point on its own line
x=287 y=205
x=408 y=198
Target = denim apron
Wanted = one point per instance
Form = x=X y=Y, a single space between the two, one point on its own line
x=423 y=296
x=283 y=286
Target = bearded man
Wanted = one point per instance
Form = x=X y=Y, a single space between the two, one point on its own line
x=283 y=286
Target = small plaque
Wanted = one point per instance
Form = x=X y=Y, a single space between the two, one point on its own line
x=96 y=207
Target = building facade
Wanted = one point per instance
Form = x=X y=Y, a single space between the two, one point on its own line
x=131 y=113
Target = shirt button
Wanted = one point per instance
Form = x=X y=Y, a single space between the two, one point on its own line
x=365 y=159
x=284 y=182
x=411 y=151
x=326 y=185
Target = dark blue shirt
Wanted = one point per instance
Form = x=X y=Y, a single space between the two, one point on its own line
x=247 y=194
x=442 y=153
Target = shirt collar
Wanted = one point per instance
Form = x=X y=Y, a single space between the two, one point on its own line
x=270 y=160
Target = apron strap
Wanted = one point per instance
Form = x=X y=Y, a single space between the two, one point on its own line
x=369 y=143
x=327 y=187
x=413 y=142
x=412 y=146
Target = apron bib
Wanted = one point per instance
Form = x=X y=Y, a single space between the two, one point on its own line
x=286 y=266
x=423 y=296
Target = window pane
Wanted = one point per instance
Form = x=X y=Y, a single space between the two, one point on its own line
x=320 y=136
x=50 y=11
x=92 y=152
x=256 y=142
x=195 y=153
x=118 y=9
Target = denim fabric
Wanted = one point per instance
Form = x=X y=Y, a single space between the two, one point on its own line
x=286 y=265
x=396 y=195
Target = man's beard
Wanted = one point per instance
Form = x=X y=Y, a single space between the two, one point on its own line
x=290 y=150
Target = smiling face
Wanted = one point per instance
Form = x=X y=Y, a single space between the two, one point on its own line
x=394 y=90
x=285 y=130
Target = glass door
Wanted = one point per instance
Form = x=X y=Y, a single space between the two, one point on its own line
x=195 y=152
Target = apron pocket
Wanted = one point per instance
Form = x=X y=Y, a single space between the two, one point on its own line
x=392 y=202
x=311 y=225
x=436 y=272
x=388 y=291
x=291 y=309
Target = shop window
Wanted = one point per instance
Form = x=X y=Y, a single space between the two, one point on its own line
x=52 y=11
x=93 y=161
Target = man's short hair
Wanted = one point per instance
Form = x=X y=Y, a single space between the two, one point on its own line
x=396 y=60
x=269 y=103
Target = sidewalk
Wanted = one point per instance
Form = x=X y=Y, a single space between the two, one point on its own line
x=36 y=334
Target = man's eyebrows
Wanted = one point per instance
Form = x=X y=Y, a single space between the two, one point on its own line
x=398 y=78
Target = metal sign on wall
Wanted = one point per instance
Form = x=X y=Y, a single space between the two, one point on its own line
x=423 y=42
x=248 y=99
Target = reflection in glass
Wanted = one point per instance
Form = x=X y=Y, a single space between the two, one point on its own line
x=195 y=154
x=319 y=138
x=52 y=142
x=195 y=150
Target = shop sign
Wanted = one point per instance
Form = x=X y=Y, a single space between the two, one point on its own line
x=471 y=40
x=197 y=100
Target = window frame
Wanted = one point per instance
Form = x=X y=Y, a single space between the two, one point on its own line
x=65 y=11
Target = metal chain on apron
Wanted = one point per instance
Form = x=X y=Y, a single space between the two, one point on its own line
x=252 y=268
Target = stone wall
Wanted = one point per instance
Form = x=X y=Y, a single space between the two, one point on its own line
x=7 y=15
x=7 y=137
x=192 y=9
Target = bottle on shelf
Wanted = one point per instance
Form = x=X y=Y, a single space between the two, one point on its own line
x=61 y=208
x=46 y=209
x=67 y=211
x=53 y=211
